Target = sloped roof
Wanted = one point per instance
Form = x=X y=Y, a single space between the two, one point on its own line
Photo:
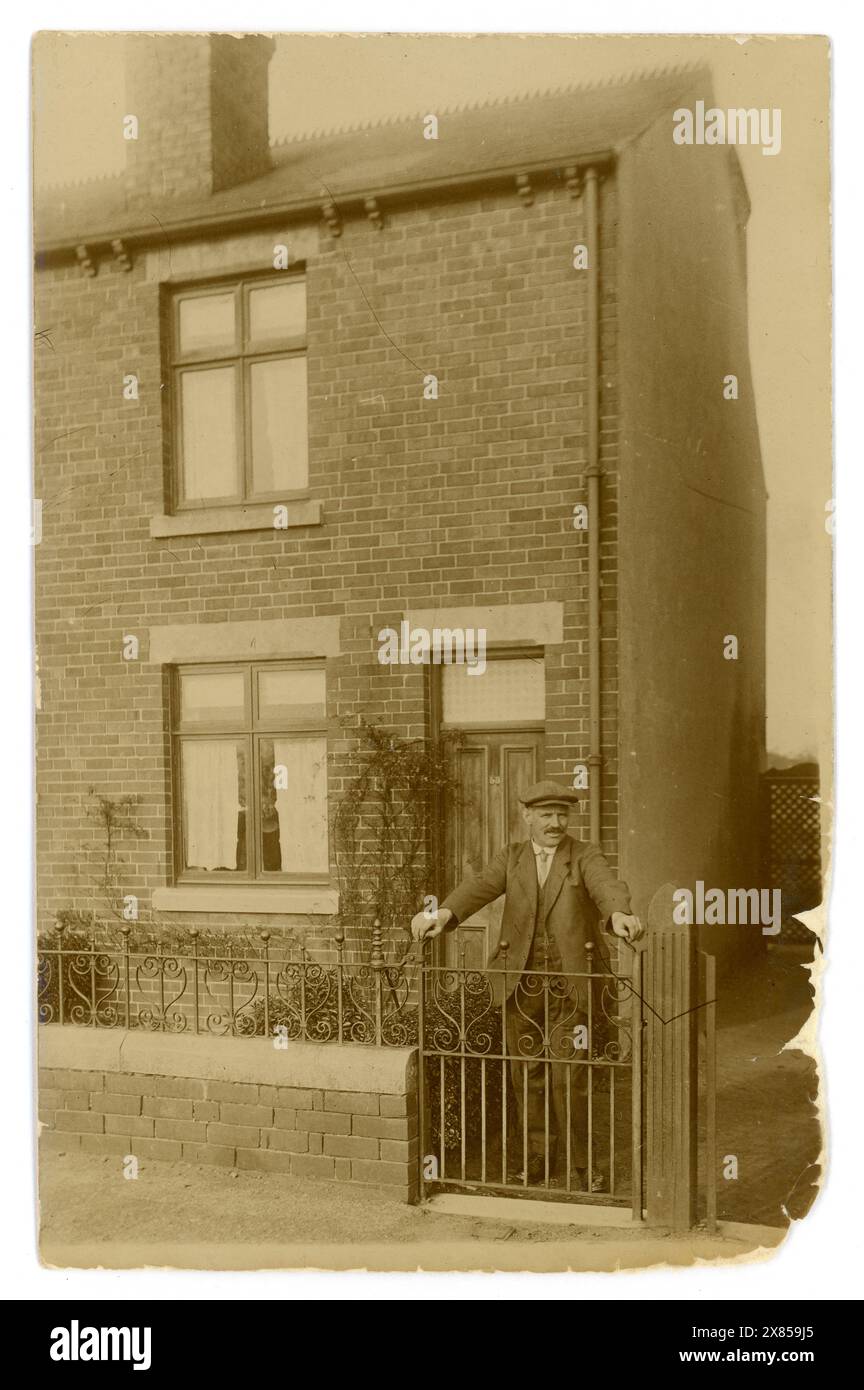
x=541 y=131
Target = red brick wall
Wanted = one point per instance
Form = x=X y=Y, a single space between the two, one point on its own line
x=461 y=501
x=309 y=1132
x=213 y=96
x=168 y=90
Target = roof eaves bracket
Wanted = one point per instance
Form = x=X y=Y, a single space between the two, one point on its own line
x=331 y=216
x=373 y=212
x=573 y=181
x=121 y=255
x=85 y=259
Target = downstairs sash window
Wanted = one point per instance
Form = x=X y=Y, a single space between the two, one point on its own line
x=250 y=771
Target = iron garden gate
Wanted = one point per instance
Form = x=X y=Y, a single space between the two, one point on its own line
x=555 y=1065
x=640 y=1034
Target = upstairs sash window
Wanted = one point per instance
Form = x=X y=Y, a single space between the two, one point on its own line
x=238 y=365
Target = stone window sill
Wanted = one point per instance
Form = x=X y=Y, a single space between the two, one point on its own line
x=252 y=516
x=205 y=897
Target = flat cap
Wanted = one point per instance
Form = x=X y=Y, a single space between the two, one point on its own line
x=548 y=793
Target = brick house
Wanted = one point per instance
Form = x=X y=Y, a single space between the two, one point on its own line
x=290 y=395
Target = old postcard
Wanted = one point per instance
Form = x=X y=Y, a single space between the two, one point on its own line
x=433 y=537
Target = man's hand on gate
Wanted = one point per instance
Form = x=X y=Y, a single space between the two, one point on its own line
x=426 y=925
x=626 y=925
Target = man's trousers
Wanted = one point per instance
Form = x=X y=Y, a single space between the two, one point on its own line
x=540 y=1077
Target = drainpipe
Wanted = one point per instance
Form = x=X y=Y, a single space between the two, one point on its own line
x=593 y=474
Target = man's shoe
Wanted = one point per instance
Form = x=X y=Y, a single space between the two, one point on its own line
x=580 y=1181
x=536 y=1172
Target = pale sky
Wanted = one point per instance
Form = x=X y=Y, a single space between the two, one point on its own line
x=78 y=108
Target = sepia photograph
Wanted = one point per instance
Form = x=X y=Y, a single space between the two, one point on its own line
x=432 y=542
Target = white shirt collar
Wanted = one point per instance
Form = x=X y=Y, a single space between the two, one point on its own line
x=543 y=849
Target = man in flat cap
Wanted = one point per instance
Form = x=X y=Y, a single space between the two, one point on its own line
x=556 y=888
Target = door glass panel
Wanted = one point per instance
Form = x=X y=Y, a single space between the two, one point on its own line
x=507 y=691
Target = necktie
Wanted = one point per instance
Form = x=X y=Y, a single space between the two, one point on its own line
x=544 y=861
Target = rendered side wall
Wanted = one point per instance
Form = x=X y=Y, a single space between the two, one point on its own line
x=692 y=530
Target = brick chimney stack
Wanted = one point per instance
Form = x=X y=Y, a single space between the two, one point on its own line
x=201 y=105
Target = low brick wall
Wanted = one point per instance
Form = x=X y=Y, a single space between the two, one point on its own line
x=342 y=1112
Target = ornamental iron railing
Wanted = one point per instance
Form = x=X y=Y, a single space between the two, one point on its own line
x=274 y=990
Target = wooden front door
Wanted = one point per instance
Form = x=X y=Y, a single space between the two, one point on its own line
x=493 y=768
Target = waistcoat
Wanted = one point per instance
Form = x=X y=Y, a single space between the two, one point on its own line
x=541 y=937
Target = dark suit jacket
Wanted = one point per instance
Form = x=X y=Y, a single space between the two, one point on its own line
x=580 y=887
